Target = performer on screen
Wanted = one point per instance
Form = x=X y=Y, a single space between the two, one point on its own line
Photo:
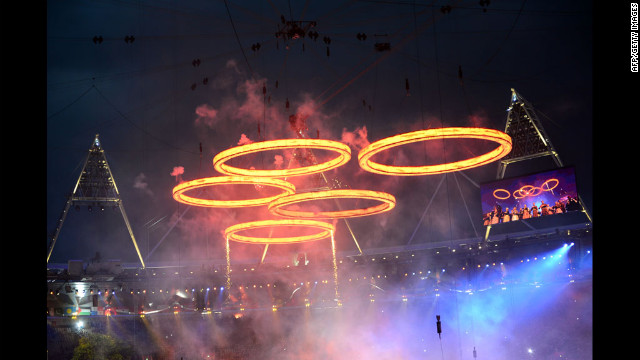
x=495 y=215
x=514 y=214
x=506 y=217
x=525 y=212
x=534 y=210
x=558 y=208
x=573 y=204
x=544 y=209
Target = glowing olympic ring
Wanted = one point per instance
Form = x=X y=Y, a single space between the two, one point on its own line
x=522 y=192
x=527 y=190
x=326 y=230
x=501 y=198
x=179 y=191
x=388 y=203
x=535 y=191
x=343 y=150
x=549 y=188
x=504 y=141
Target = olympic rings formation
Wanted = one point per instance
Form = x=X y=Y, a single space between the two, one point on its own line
x=326 y=230
x=180 y=190
x=343 y=150
x=528 y=190
x=276 y=204
x=388 y=202
x=504 y=141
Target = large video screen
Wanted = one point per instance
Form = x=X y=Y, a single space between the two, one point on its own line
x=541 y=194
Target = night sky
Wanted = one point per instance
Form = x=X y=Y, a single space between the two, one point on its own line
x=158 y=79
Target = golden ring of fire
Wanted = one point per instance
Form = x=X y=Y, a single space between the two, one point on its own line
x=547 y=185
x=326 y=230
x=388 y=202
x=180 y=190
x=504 y=141
x=501 y=198
x=343 y=150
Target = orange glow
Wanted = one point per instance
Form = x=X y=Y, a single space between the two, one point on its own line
x=504 y=141
x=277 y=206
x=179 y=191
x=326 y=230
x=344 y=155
x=501 y=190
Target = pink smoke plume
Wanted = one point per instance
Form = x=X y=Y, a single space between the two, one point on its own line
x=479 y=119
x=278 y=161
x=140 y=182
x=244 y=140
x=177 y=171
x=207 y=116
x=356 y=139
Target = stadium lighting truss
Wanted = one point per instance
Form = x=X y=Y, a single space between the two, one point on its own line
x=277 y=207
x=180 y=190
x=343 y=150
x=325 y=230
x=503 y=140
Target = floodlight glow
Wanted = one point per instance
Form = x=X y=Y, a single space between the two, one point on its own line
x=277 y=207
x=504 y=141
x=343 y=150
x=179 y=191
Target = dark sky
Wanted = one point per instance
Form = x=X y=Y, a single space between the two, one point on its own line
x=193 y=75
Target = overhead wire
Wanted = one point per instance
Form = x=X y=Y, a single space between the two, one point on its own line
x=123 y=116
x=238 y=38
x=70 y=104
x=375 y=63
x=444 y=154
x=499 y=48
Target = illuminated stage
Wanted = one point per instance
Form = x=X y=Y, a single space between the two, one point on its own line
x=553 y=321
x=513 y=297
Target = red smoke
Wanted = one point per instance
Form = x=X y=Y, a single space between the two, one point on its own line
x=356 y=139
x=207 y=116
x=244 y=140
x=278 y=161
x=177 y=171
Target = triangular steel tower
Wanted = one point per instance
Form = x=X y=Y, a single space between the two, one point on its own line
x=95 y=187
x=529 y=138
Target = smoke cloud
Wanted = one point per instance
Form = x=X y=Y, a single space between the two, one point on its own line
x=177 y=172
x=140 y=182
x=356 y=139
x=244 y=140
x=254 y=109
x=207 y=116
